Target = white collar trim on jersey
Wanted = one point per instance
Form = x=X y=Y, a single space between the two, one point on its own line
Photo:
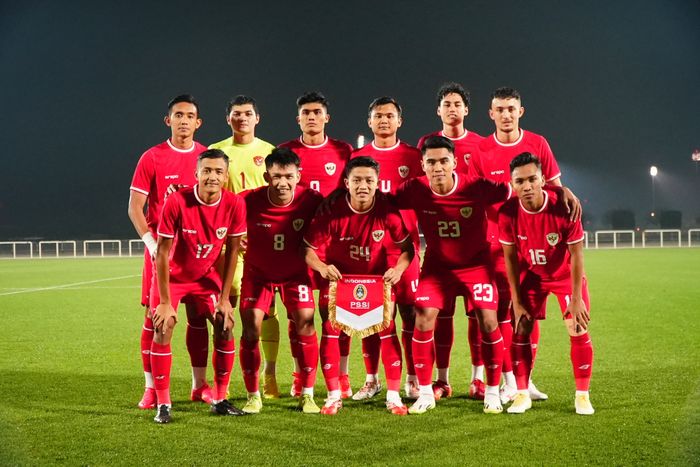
x=196 y=195
x=520 y=138
x=280 y=205
x=178 y=149
x=398 y=141
x=466 y=132
x=301 y=140
x=456 y=178
x=374 y=201
x=544 y=205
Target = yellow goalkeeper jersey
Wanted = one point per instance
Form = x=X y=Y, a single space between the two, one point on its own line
x=246 y=163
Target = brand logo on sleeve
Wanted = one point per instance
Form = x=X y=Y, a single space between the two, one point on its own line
x=330 y=168
x=403 y=171
x=377 y=235
x=297 y=224
x=221 y=232
x=466 y=212
x=552 y=238
x=467 y=156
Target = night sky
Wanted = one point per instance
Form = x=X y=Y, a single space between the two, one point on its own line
x=612 y=85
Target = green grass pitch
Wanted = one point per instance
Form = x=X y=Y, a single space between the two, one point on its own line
x=70 y=378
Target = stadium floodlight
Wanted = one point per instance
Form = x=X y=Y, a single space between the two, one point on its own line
x=695 y=156
x=653 y=171
x=360 y=141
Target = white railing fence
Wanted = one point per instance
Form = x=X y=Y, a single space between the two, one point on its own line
x=651 y=238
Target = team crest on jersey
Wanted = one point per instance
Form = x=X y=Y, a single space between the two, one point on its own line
x=360 y=292
x=330 y=168
x=403 y=171
x=377 y=235
x=466 y=212
x=221 y=232
x=258 y=160
x=552 y=238
x=297 y=224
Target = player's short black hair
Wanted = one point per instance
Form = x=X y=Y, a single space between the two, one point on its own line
x=453 y=88
x=212 y=154
x=362 y=161
x=437 y=142
x=241 y=100
x=505 y=93
x=525 y=158
x=384 y=100
x=189 y=98
x=312 y=97
x=282 y=157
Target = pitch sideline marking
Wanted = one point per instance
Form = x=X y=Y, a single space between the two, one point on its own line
x=41 y=289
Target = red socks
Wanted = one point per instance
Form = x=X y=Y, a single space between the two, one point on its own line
x=344 y=344
x=423 y=356
x=444 y=338
x=370 y=353
x=146 y=341
x=582 y=360
x=492 y=350
x=197 y=340
x=521 y=353
x=224 y=354
x=293 y=339
x=535 y=339
x=330 y=356
x=506 y=329
x=407 y=341
x=308 y=359
x=161 y=361
x=250 y=364
x=474 y=338
x=391 y=357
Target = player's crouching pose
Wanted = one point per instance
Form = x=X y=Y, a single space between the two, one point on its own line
x=353 y=234
x=278 y=215
x=195 y=224
x=535 y=229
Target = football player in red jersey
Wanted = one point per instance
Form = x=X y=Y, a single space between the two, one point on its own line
x=453 y=107
x=278 y=215
x=451 y=211
x=399 y=162
x=195 y=225
x=172 y=162
x=492 y=161
x=355 y=235
x=535 y=230
x=323 y=160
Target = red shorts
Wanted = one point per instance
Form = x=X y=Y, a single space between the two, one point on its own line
x=258 y=293
x=437 y=289
x=501 y=278
x=405 y=289
x=203 y=294
x=534 y=293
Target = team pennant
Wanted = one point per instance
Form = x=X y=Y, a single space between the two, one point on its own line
x=360 y=305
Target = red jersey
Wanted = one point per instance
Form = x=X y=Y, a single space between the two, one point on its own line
x=492 y=161
x=199 y=230
x=160 y=167
x=542 y=237
x=397 y=164
x=276 y=233
x=355 y=240
x=454 y=224
x=465 y=146
x=322 y=166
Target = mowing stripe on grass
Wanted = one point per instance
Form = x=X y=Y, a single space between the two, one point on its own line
x=74 y=284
